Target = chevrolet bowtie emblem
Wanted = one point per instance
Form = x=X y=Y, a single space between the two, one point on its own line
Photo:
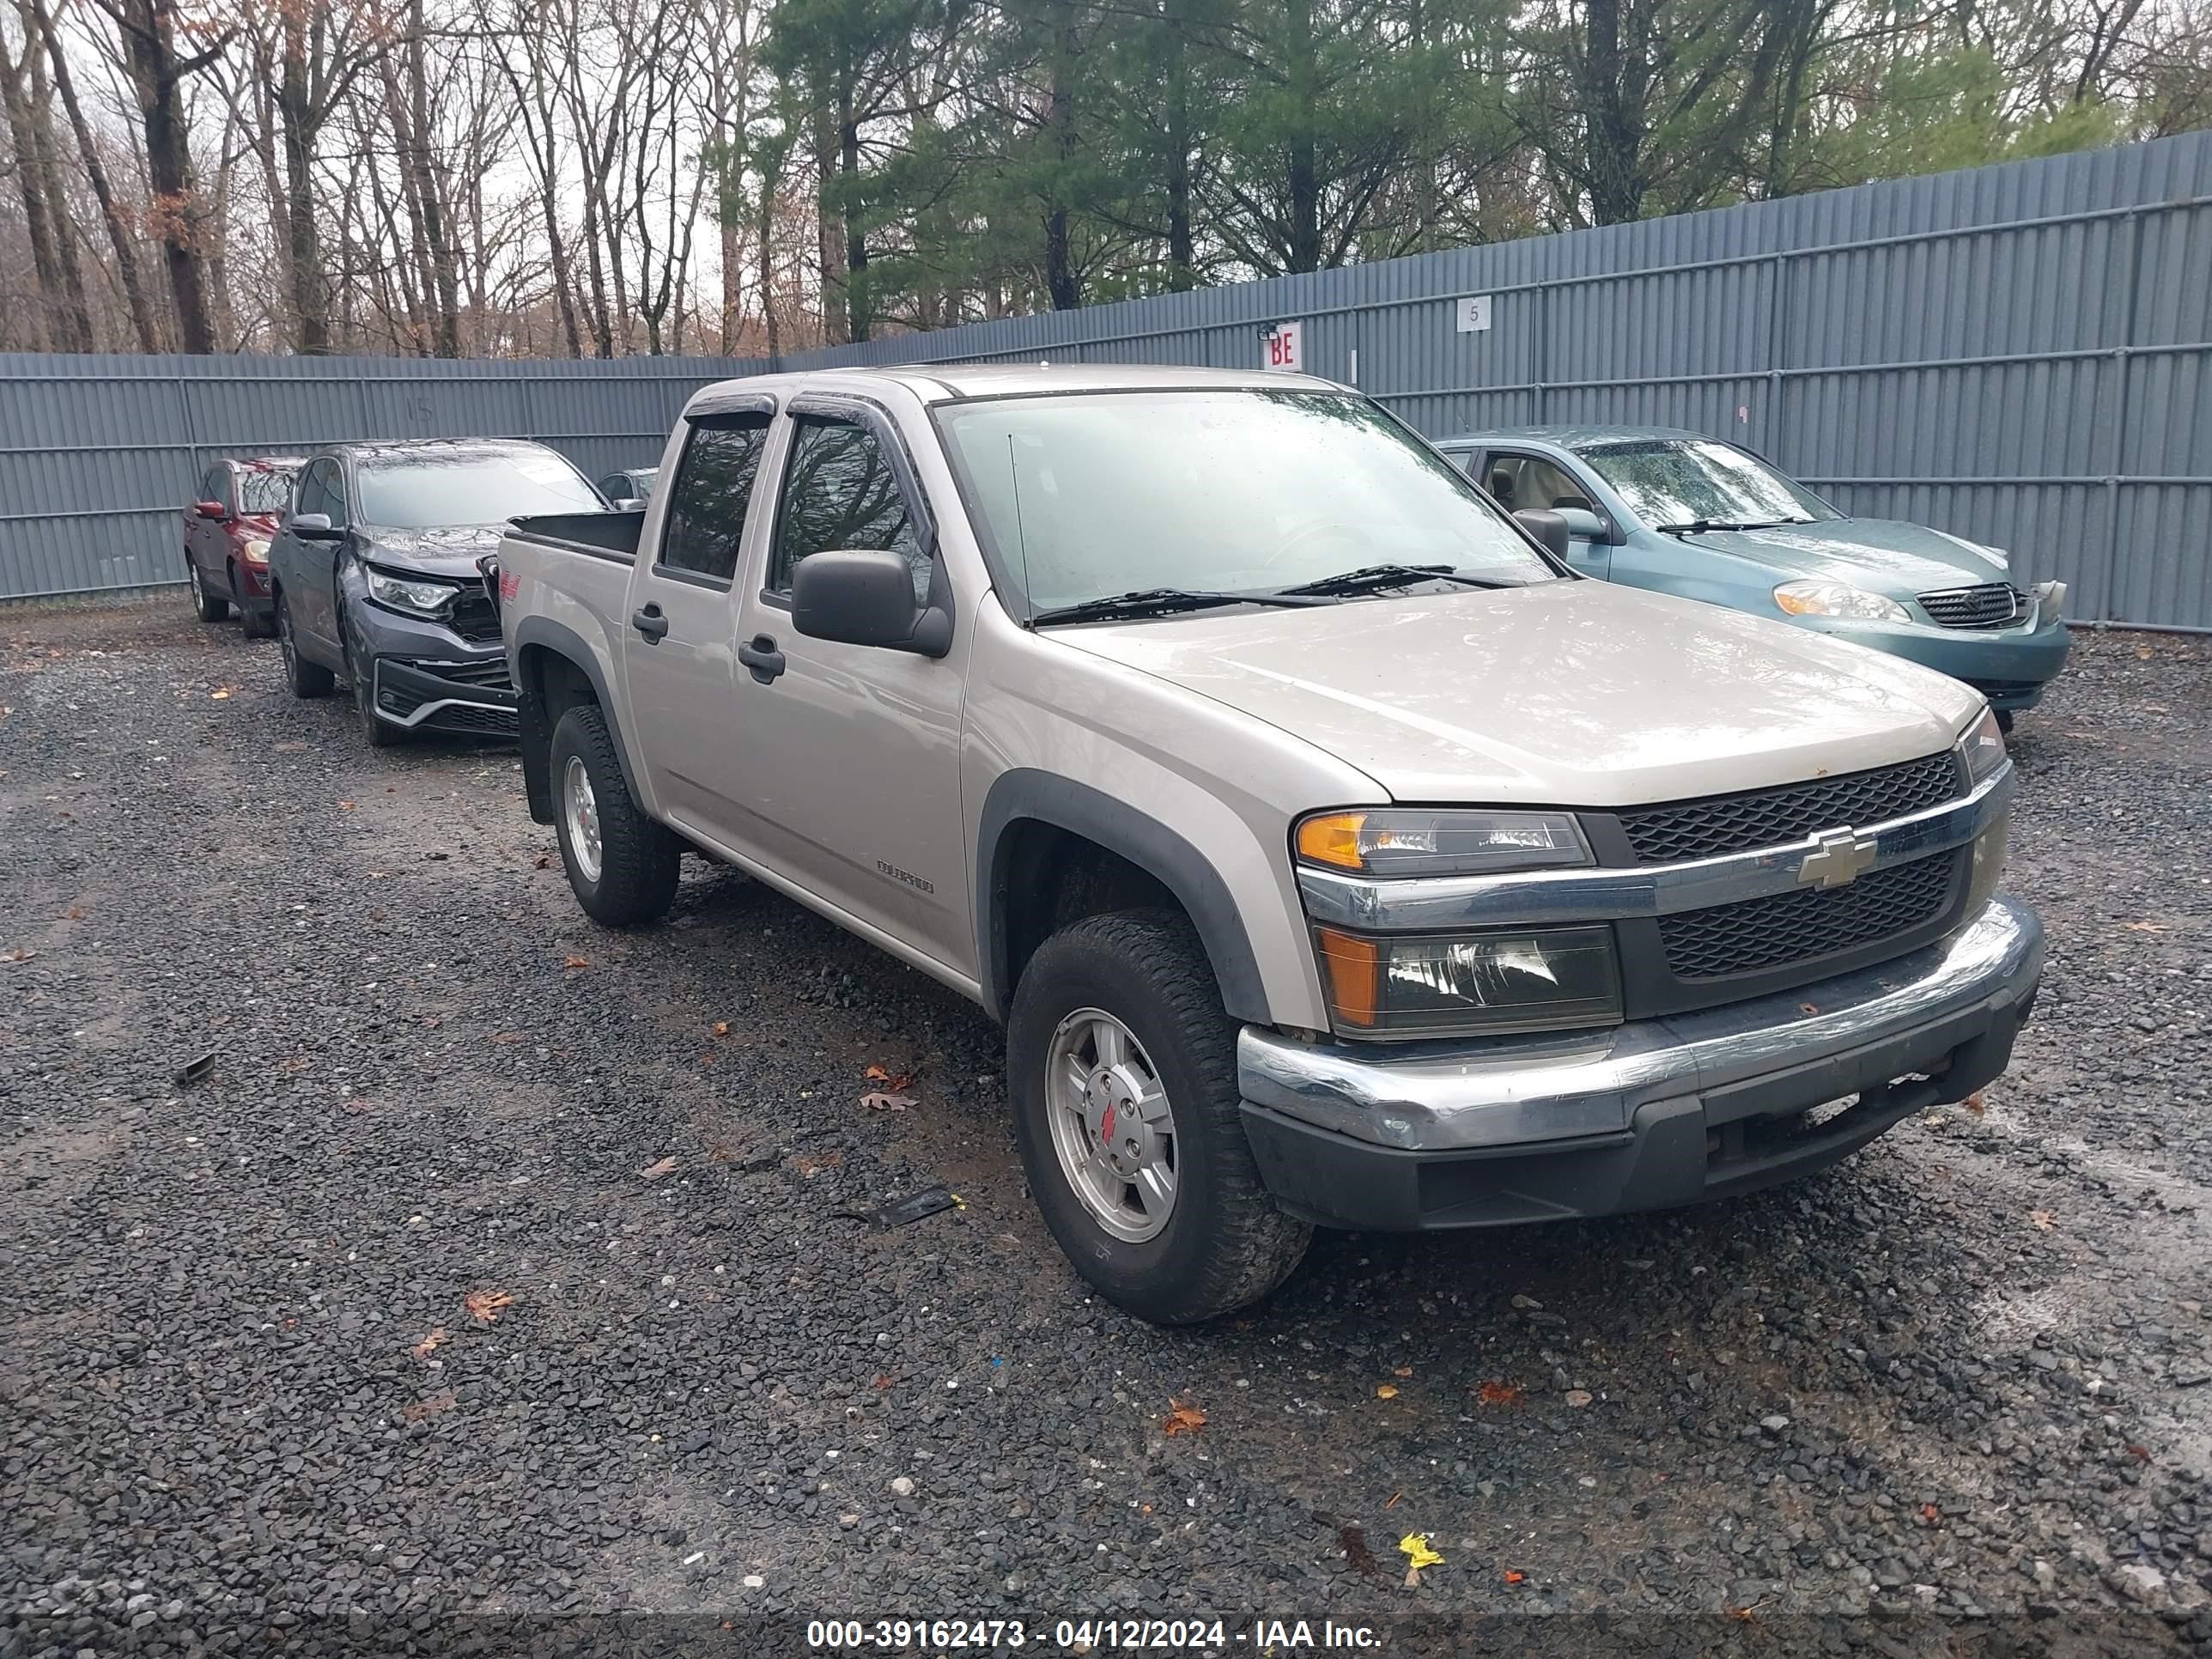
x=1843 y=856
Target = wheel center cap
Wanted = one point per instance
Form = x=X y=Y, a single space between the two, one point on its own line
x=1124 y=1139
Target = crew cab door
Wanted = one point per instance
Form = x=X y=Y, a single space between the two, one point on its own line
x=851 y=764
x=680 y=625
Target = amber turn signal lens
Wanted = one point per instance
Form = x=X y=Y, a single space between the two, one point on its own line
x=1333 y=839
x=1354 y=967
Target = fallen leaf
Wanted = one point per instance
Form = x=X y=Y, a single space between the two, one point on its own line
x=876 y=1074
x=429 y=1408
x=1976 y=1103
x=1183 y=1419
x=219 y=697
x=483 y=1306
x=883 y=1382
x=345 y=806
x=575 y=961
x=1513 y=1577
x=21 y=954
x=75 y=913
x=2142 y=927
x=2143 y=653
x=654 y=1171
x=1402 y=1370
x=1929 y=1515
x=721 y=1028
x=433 y=1021
x=545 y=860
x=1578 y=1397
x=1414 y=1547
x=2141 y=1454
x=2043 y=1220
x=1499 y=1394
x=507 y=1036
x=810 y=1166
x=1388 y=1391
x=895 y=1082
x=877 y=1101
x=379 y=875
x=428 y=1344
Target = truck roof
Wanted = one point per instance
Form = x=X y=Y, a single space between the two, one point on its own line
x=948 y=382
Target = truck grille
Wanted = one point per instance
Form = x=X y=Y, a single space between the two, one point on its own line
x=1992 y=604
x=1775 y=817
x=1783 y=928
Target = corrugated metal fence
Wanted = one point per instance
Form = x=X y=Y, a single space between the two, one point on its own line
x=2021 y=354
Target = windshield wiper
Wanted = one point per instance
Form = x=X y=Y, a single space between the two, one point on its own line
x=1369 y=578
x=1697 y=525
x=1153 y=602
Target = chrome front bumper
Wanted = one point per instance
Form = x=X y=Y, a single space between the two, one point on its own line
x=1790 y=1052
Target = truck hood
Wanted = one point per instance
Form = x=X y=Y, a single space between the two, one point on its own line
x=1885 y=554
x=1569 y=693
x=449 y=551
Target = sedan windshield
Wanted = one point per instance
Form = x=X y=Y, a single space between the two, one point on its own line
x=423 y=491
x=1675 y=483
x=1228 y=492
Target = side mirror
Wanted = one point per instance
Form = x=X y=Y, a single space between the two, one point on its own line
x=1582 y=524
x=1548 y=527
x=215 y=510
x=313 y=527
x=633 y=504
x=865 y=598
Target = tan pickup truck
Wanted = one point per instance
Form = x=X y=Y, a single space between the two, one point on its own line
x=1332 y=853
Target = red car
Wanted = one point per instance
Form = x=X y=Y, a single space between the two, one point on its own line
x=226 y=535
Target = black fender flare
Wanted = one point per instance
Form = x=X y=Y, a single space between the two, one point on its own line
x=1029 y=793
x=536 y=732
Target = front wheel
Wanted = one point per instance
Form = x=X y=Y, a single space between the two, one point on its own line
x=306 y=679
x=622 y=865
x=1122 y=1066
x=206 y=606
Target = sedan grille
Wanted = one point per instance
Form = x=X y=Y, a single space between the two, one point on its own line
x=1992 y=604
x=1783 y=928
x=1775 y=817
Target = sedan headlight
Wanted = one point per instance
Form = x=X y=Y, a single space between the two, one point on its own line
x=1402 y=841
x=418 y=596
x=1984 y=748
x=256 y=549
x=1415 y=986
x=1816 y=598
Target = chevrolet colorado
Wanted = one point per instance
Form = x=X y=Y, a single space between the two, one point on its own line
x=1331 y=851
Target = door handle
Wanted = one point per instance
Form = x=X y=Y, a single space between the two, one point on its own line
x=761 y=656
x=650 y=623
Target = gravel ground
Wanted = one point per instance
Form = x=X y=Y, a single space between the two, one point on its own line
x=262 y=1373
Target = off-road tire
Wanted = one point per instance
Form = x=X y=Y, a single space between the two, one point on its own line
x=207 y=606
x=1225 y=1243
x=640 y=859
x=306 y=679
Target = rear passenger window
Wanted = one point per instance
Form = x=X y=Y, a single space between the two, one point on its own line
x=713 y=487
x=841 y=494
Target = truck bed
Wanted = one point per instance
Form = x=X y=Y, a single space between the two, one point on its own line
x=604 y=535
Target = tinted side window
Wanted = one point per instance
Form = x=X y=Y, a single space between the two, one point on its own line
x=313 y=497
x=840 y=493
x=713 y=487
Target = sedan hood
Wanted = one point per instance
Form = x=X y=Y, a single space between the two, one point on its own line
x=1886 y=554
x=1568 y=694
x=447 y=551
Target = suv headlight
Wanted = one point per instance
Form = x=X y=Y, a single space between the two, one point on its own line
x=256 y=548
x=1816 y=598
x=416 y=596
x=1402 y=841
x=1406 y=985
x=1984 y=748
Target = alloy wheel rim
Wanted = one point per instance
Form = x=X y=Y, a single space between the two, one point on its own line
x=1112 y=1126
x=579 y=811
x=199 y=593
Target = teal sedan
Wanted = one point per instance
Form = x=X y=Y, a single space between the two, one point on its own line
x=1681 y=514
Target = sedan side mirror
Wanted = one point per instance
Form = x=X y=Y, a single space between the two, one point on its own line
x=313 y=527
x=1547 y=526
x=1582 y=524
x=865 y=598
x=215 y=510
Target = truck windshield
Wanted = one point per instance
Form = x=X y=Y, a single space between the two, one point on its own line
x=1675 y=482
x=1232 y=491
x=424 y=491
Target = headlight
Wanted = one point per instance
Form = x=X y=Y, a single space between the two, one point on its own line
x=1984 y=748
x=1412 y=985
x=418 y=597
x=1415 y=842
x=256 y=548
x=1837 y=600
x=2050 y=601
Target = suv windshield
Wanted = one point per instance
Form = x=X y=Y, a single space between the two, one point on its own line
x=1687 y=480
x=423 y=491
x=1228 y=492
x=265 y=490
